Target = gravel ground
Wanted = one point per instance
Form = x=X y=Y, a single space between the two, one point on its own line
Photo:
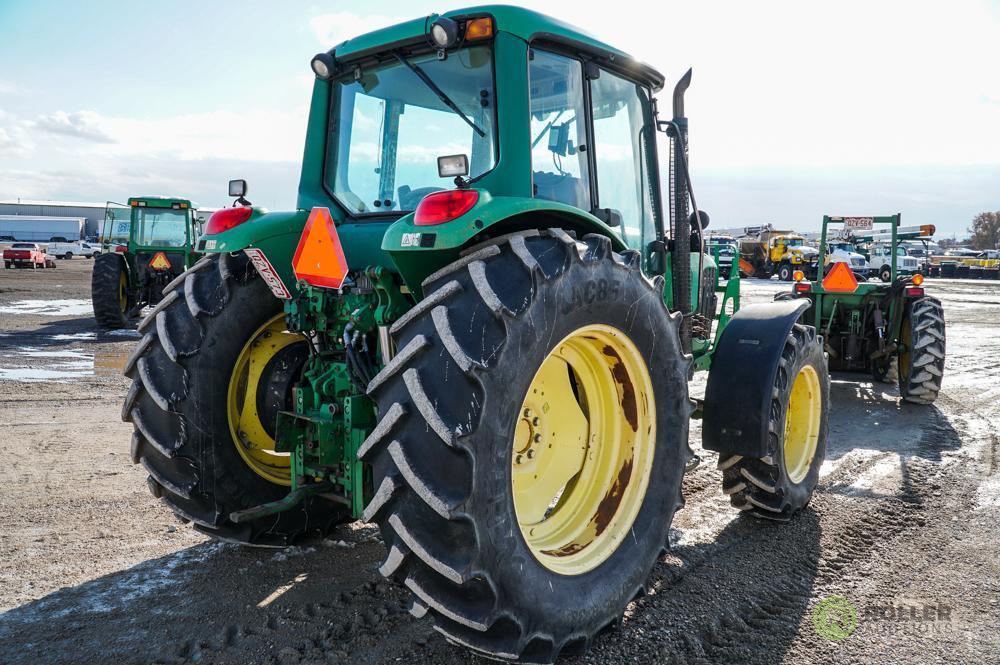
x=93 y=570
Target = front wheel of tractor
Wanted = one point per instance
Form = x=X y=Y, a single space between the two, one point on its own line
x=781 y=483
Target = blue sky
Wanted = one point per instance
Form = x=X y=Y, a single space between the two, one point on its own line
x=797 y=108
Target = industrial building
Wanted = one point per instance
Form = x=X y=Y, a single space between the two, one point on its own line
x=92 y=213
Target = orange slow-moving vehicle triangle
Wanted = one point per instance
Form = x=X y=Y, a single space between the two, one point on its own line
x=840 y=279
x=159 y=262
x=319 y=258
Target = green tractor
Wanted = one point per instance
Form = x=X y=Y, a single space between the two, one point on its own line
x=144 y=247
x=477 y=331
x=872 y=327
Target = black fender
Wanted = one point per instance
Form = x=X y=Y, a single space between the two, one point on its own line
x=744 y=366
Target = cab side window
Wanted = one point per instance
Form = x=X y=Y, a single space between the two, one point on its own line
x=558 y=130
x=622 y=137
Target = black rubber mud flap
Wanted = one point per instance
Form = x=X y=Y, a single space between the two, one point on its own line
x=740 y=383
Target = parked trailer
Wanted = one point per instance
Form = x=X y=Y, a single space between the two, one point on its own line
x=965 y=267
x=34 y=228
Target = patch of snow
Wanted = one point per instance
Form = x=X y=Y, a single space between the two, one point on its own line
x=124 y=332
x=72 y=337
x=73 y=307
x=988 y=493
x=875 y=477
x=34 y=375
x=710 y=520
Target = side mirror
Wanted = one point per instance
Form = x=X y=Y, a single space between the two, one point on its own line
x=703 y=216
x=237 y=188
x=656 y=252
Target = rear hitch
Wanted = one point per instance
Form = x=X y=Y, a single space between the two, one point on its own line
x=289 y=501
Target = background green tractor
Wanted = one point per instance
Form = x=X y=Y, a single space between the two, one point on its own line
x=870 y=327
x=488 y=356
x=144 y=246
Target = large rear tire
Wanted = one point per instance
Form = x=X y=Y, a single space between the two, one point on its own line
x=109 y=291
x=921 y=360
x=531 y=444
x=781 y=483
x=213 y=368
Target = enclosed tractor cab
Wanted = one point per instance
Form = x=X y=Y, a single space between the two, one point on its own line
x=877 y=327
x=143 y=254
x=476 y=330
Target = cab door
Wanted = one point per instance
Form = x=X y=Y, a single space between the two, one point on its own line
x=624 y=140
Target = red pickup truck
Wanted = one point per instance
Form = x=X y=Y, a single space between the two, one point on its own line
x=24 y=255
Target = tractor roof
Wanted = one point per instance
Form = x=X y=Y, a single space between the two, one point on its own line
x=524 y=23
x=158 y=201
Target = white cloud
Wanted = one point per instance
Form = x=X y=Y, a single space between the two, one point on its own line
x=191 y=155
x=14 y=142
x=80 y=124
x=332 y=29
x=250 y=134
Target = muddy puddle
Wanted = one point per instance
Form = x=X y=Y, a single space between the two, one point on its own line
x=30 y=365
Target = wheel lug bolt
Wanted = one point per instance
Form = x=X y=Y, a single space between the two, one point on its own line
x=517 y=460
x=537 y=438
x=535 y=421
x=531 y=453
x=527 y=413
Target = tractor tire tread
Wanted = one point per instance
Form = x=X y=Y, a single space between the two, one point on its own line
x=435 y=547
x=922 y=383
x=759 y=486
x=184 y=472
x=104 y=283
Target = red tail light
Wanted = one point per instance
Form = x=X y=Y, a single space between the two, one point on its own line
x=914 y=291
x=121 y=249
x=227 y=218
x=441 y=207
x=802 y=287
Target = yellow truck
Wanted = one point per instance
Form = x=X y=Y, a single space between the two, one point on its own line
x=765 y=251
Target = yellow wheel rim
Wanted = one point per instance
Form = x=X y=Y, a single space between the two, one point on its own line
x=250 y=437
x=122 y=292
x=583 y=449
x=802 y=420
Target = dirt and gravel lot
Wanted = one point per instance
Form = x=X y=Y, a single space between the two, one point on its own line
x=93 y=570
